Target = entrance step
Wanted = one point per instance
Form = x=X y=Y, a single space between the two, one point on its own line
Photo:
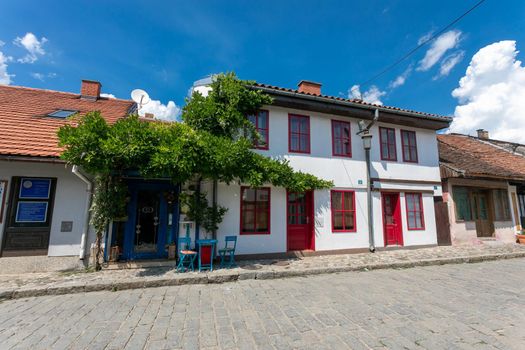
x=491 y=241
x=139 y=264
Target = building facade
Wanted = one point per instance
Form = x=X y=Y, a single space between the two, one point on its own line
x=482 y=184
x=317 y=134
x=43 y=201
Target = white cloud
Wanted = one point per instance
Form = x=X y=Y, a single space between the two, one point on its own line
x=449 y=63
x=5 y=77
x=401 y=79
x=439 y=47
x=107 y=95
x=491 y=94
x=169 y=111
x=33 y=46
x=1 y=43
x=42 y=76
x=372 y=95
x=425 y=38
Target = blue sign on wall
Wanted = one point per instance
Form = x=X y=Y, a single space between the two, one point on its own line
x=31 y=212
x=35 y=188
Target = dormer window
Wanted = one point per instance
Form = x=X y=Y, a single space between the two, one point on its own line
x=62 y=113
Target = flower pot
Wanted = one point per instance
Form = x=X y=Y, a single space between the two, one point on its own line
x=206 y=254
x=521 y=238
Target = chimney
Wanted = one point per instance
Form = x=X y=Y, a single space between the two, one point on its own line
x=309 y=87
x=483 y=134
x=90 y=90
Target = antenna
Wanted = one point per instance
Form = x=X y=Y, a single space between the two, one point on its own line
x=140 y=97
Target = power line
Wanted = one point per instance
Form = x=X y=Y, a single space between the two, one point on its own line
x=426 y=41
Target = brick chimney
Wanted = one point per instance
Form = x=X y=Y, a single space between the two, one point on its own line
x=309 y=87
x=90 y=90
x=483 y=134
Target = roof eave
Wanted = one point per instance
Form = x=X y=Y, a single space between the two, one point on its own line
x=352 y=109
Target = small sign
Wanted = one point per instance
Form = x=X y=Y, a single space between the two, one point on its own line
x=31 y=212
x=32 y=188
x=66 y=226
x=359 y=182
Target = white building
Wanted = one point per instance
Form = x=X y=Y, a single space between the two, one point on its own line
x=317 y=134
x=44 y=211
x=43 y=204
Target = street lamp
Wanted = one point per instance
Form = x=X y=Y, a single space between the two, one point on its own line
x=364 y=132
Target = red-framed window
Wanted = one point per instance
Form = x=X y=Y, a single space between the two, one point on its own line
x=255 y=211
x=387 y=140
x=262 y=126
x=415 y=216
x=341 y=139
x=298 y=133
x=409 y=145
x=343 y=211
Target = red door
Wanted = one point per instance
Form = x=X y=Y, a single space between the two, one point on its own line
x=392 y=219
x=299 y=220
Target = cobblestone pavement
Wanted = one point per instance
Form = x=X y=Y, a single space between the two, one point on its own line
x=38 y=284
x=468 y=306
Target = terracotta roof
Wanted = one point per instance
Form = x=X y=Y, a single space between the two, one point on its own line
x=356 y=101
x=467 y=156
x=25 y=128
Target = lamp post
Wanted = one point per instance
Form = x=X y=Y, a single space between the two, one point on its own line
x=367 y=145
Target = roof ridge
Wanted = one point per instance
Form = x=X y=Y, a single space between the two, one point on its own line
x=58 y=92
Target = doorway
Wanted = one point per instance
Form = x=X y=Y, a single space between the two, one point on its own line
x=392 y=225
x=152 y=221
x=482 y=213
x=299 y=213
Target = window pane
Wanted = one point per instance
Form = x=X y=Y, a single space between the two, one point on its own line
x=336 y=200
x=338 y=147
x=419 y=224
x=384 y=151
x=294 y=145
x=410 y=202
x=248 y=221
x=304 y=141
x=303 y=125
x=411 y=220
x=348 y=201
x=262 y=221
x=248 y=195
x=349 y=221
x=338 y=220
x=291 y=220
x=337 y=130
x=263 y=120
x=391 y=151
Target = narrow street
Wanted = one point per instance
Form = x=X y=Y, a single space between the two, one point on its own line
x=468 y=306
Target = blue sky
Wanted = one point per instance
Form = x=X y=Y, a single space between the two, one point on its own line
x=163 y=46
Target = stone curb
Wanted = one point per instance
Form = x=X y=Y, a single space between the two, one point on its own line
x=237 y=276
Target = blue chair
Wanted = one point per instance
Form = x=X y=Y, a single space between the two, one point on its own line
x=186 y=255
x=228 y=250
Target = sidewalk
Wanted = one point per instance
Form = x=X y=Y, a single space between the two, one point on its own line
x=38 y=284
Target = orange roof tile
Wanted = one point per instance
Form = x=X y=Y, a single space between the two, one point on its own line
x=25 y=128
x=473 y=157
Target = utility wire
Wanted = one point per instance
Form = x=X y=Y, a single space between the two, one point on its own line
x=411 y=52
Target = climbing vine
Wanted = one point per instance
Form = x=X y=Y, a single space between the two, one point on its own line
x=213 y=141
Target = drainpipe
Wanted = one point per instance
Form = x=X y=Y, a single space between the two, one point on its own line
x=85 y=228
x=372 y=246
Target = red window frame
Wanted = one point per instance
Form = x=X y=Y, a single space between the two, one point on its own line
x=343 y=210
x=255 y=211
x=389 y=142
x=412 y=145
x=298 y=133
x=419 y=197
x=341 y=139
x=265 y=132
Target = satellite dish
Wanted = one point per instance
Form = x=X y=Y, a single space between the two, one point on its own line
x=140 y=96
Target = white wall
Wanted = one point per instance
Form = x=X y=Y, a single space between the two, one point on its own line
x=69 y=205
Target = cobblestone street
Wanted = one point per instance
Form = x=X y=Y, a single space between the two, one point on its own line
x=479 y=306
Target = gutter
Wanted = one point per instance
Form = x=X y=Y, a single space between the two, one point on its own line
x=85 y=227
x=353 y=104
